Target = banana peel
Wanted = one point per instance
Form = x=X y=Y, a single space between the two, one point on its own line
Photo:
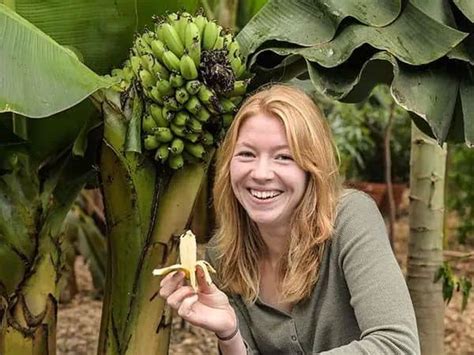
x=189 y=262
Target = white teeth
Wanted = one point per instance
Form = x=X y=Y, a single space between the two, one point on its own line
x=263 y=195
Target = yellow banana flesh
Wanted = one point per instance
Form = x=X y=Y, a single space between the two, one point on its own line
x=189 y=262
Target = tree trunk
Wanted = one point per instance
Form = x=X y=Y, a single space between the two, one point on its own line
x=425 y=250
x=147 y=208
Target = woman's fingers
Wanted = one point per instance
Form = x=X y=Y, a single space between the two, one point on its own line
x=185 y=309
x=177 y=297
x=204 y=287
x=170 y=283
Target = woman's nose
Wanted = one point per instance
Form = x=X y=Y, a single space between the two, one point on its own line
x=262 y=170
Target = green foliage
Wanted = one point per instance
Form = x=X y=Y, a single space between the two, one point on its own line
x=452 y=283
x=347 y=47
x=81 y=235
x=358 y=131
x=460 y=192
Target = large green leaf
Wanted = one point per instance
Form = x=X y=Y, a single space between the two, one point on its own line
x=309 y=23
x=101 y=30
x=39 y=77
x=433 y=40
x=423 y=53
x=247 y=9
x=466 y=7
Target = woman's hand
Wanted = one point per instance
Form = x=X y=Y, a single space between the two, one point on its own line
x=208 y=308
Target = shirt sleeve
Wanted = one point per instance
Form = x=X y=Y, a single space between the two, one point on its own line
x=243 y=324
x=379 y=294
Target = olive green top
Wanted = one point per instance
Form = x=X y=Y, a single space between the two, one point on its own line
x=360 y=303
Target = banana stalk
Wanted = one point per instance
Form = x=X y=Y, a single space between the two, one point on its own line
x=31 y=218
x=147 y=210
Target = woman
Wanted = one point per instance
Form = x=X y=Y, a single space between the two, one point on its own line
x=304 y=266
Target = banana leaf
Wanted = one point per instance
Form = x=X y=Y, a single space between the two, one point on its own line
x=423 y=50
x=51 y=54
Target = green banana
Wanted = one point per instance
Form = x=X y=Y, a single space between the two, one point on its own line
x=179 y=131
x=210 y=35
x=203 y=115
x=141 y=46
x=236 y=100
x=169 y=115
x=177 y=146
x=227 y=40
x=195 y=149
x=192 y=35
x=172 y=39
x=164 y=87
x=227 y=120
x=159 y=32
x=162 y=153
x=147 y=61
x=180 y=26
x=195 y=53
x=135 y=63
x=148 y=37
x=219 y=44
x=193 y=105
x=163 y=134
x=207 y=138
x=151 y=142
x=171 y=61
x=176 y=80
x=148 y=124
x=193 y=137
x=158 y=48
x=188 y=68
x=175 y=161
x=205 y=95
x=227 y=105
x=157 y=114
x=146 y=78
x=160 y=70
x=236 y=64
x=181 y=95
x=233 y=50
x=200 y=22
x=181 y=118
x=240 y=87
x=171 y=104
x=194 y=125
x=192 y=87
x=156 y=95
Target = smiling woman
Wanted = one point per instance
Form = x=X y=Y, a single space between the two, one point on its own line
x=265 y=179
x=304 y=266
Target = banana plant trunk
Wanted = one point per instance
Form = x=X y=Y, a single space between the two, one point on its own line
x=147 y=208
x=31 y=256
x=425 y=249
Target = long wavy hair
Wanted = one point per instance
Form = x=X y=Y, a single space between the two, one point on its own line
x=238 y=243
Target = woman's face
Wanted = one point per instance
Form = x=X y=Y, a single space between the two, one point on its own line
x=265 y=179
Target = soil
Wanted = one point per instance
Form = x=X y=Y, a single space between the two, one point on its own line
x=79 y=320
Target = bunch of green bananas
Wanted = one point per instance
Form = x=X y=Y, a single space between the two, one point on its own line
x=192 y=77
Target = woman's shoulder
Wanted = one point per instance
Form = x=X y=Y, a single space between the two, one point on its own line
x=353 y=202
x=357 y=219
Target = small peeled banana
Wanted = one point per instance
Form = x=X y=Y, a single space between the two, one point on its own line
x=187 y=255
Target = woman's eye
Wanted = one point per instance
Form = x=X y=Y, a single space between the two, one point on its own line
x=284 y=157
x=245 y=154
